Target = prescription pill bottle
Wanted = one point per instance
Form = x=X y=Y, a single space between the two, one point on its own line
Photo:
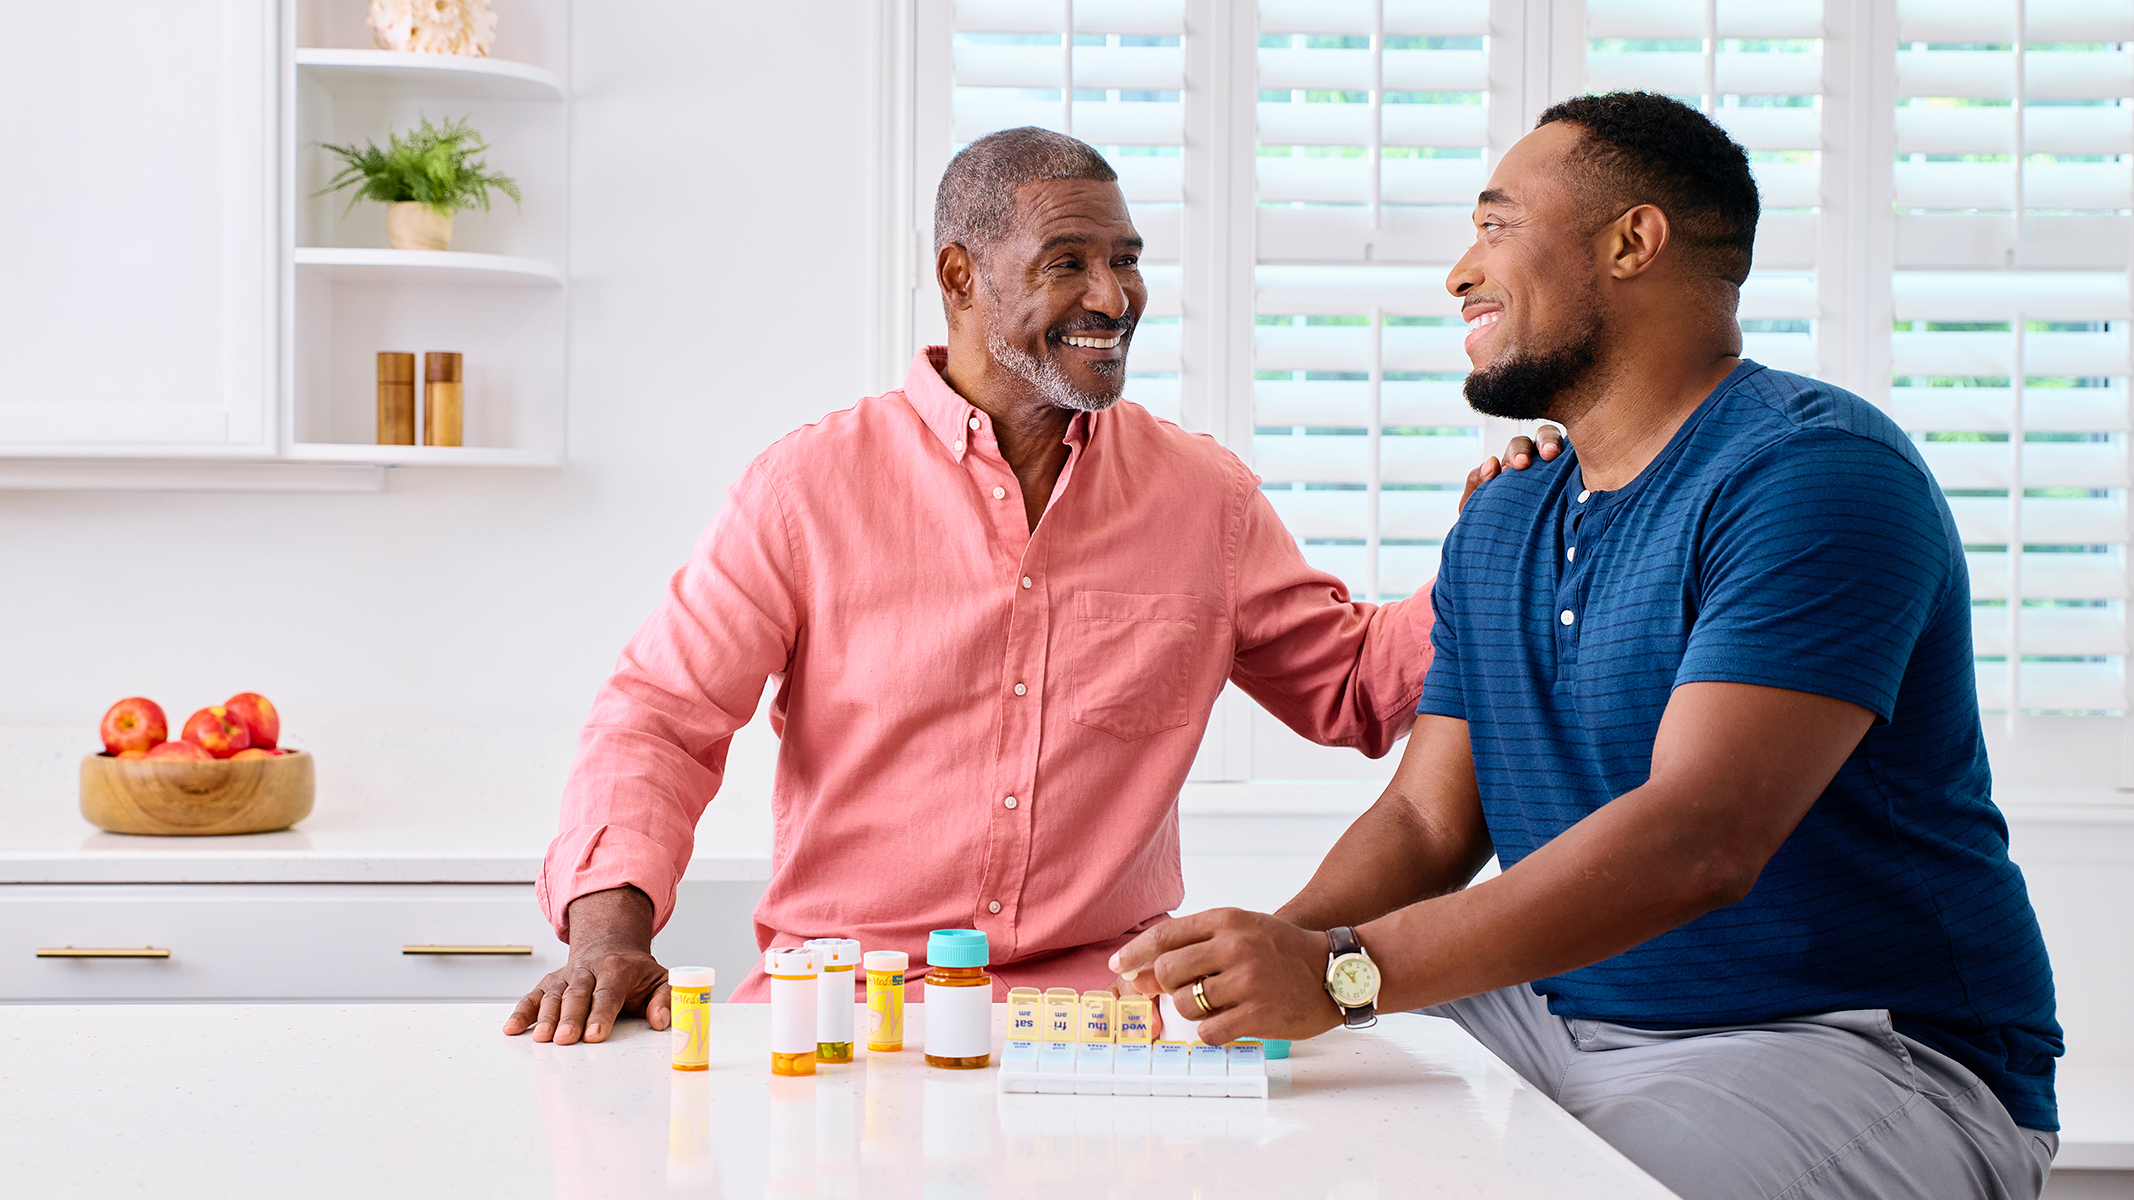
x=885 y=1001
x=793 y=970
x=689 y=994
x=840 y=958
x=959 y=1000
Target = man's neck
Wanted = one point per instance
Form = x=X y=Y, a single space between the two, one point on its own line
x=1031 y=431
x=1626 y=413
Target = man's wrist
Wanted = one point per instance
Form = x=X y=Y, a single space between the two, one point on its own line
x=618 y=918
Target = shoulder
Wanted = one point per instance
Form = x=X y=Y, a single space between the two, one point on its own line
x=1148 y=444
x=1811 y=413
x=1510 y=501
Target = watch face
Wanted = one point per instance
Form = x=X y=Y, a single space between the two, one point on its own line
x=1353 y=981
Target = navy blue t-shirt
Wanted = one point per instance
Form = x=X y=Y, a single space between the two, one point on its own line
x=1790 y=536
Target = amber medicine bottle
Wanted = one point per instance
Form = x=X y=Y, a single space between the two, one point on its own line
x=885 y=1000
x=959 y=1000
x=442 y=398
x=840 y=958
x=793 y=971
x=689 y=995
x=396 y=398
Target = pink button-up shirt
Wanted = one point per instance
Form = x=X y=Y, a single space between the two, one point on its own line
x=982 y=725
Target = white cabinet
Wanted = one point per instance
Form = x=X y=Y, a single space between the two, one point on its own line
x=273 y=941
x=139 y=247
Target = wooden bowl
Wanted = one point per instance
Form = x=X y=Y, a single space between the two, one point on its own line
x=177 y=796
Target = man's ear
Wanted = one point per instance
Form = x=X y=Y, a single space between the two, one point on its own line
x=1631 y=243
x=958 y=277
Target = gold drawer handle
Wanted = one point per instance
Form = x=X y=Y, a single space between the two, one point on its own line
x=434 y=948
x=100 y=952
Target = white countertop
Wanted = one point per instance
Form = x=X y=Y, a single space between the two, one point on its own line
x=395 y=805
x=355 y=1100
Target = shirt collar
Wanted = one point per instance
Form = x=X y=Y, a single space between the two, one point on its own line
x=949 y=415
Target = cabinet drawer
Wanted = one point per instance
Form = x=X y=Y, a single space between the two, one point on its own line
x=273 y=941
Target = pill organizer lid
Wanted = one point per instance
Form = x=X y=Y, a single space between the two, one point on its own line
x=836 y=952
x=791 y=960
x=887 y=960
x=692 y=977
x=956 y=948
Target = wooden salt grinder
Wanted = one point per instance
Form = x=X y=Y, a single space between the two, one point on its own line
x=396 y=398
x=441 y=398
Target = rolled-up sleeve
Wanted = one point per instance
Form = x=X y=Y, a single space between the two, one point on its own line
x=653 y=752
x=1338 y=671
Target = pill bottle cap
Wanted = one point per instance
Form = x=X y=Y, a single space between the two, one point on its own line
x=692 y=977
x=887 y=960
x=791 y=960
x=835 y=952
x=956 y=948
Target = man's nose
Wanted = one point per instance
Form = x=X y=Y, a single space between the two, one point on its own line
x=1106 y=294
x=1467 y=273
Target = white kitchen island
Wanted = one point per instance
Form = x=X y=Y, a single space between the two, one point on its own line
x=431 y=1100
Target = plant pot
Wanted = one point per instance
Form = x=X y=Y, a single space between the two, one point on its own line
x=413 y=225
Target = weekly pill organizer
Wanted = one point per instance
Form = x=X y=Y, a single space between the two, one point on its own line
x=1094 y=1044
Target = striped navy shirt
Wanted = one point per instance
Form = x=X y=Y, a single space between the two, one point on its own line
x=1789 y=536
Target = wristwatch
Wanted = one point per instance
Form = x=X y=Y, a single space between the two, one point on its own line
x=1351 y=978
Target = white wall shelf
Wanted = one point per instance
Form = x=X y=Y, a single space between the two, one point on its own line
x=347 y=72
x=362 y=264
x=423 y=456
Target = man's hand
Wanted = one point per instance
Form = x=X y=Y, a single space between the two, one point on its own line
x=1521 y=453
x=1263 y=976
x=610 y=972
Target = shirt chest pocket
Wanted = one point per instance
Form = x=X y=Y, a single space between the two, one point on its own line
x=1130 y=661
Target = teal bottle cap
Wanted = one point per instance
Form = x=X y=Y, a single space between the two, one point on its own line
x=956 y=948
x=1276 y=1047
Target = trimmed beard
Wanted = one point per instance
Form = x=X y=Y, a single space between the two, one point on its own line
x=1050 y=380
x=1524 y=385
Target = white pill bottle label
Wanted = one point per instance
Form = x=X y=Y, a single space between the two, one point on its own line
x=959 y=1021
x=793 y=1015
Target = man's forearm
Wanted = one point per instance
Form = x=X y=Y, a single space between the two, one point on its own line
x=619 y=917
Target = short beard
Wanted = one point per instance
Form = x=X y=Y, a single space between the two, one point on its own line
x=1525 y=386
x=1050 y=380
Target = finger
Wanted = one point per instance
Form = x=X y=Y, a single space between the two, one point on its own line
x=1519 y=455
x=659 y=1009
x=1476 y=478
x=576 y=1001
x=523 y=1013
x=551 y=1010
x=1178 y=969
x=607 y=1005
x=1130 y=959
x=1551 y=440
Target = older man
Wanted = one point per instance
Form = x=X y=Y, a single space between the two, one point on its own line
x=1000 y=604
x=1757 y=925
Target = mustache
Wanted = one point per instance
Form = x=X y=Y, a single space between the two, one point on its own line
x=1096 y=323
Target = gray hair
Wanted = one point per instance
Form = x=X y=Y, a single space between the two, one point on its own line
x=975 y=205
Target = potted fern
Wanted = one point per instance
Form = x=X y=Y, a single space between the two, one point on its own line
x=422 y=177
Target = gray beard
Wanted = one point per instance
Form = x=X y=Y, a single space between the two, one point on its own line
x=1048 y=379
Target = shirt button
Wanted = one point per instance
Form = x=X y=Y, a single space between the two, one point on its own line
x=1000 y=493
x=974 y=422
x=1020 y=689
x=959 y=447
x=1008 y=803
x=1566 y=617
x=1026 y=581
x=1582 y=496
x=994 y=907
x=1571 y=555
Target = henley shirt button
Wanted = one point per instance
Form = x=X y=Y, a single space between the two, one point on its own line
x=1020 y=689
x=994 y=907
x=1009 y=802
x=1570 y=554
x=1000 y=493
x=974 y=422
x=1026 y=581
x=1582 y=496
x=1566 y=617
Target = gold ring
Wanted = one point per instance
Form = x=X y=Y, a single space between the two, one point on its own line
x=1200 y=997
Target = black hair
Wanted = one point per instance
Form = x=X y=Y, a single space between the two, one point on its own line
x=1645 y=148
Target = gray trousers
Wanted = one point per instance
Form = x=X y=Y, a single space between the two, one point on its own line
x=1838 y=1105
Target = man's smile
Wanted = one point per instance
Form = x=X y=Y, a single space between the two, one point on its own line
x=1480 y=318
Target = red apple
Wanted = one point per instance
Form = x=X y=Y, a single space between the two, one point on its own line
x=135 y=723
x=137 y=753
x=217 y=732
x=182 y=750
x=257 y=714
x=254 y=752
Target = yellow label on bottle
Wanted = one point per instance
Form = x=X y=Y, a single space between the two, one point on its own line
x=691 y=1036
x=885 y=1010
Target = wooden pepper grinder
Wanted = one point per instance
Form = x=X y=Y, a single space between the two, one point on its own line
x=396 y=398
x=441 y=398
